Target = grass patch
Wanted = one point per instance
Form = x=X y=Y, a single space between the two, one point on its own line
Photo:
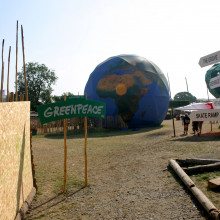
x=72 y=183
x=201 y=181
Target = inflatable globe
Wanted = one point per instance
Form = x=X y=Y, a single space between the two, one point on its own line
x=133 y=88
x=212 y=79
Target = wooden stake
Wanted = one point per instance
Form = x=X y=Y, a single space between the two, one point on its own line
x=85 y=149
x=2 y=78
x=11 y=98
x=8 y=74
x=16 y=66
x=21 y=97
x=65 y=152
x=25 y=79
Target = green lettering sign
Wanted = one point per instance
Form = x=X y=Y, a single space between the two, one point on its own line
x=71 y=108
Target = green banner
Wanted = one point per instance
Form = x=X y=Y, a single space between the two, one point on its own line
x=71 y=108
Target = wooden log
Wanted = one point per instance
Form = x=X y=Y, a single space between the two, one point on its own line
x=204 y=201
x=25 y=206
x=183 y=176
x=197 y=161
x=202 y=168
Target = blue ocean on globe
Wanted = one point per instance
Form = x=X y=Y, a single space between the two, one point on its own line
x=133 y=88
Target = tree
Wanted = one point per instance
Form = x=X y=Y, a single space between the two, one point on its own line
x=39 y=82
x=56 y=98
x=183 y=96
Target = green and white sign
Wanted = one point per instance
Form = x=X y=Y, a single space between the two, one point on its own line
x=71 y=108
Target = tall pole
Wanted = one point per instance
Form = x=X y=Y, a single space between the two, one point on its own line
x=2 y=78
x=16 y=66
x=186 y=85
x=9 y=54
x=85 y=149
x=25 y=79
x=65 y=151
x=174 y=131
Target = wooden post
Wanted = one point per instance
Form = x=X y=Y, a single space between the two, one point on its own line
x=25 y=79
x=16 y=66
x=21 y=97
x=11 y=99
x=85 y=149
x=9 y=54
x=65 y=152
x=2 y=78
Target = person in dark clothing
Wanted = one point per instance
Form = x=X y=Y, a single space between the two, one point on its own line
x=186 y=122
x=195 y=125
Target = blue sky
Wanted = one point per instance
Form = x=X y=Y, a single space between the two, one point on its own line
x=72 y=37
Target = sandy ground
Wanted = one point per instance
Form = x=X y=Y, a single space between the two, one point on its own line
x=127 y=175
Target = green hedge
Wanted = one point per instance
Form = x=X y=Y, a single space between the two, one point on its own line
x=177 y=104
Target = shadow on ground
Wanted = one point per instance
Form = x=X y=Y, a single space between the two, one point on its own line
x=196 y=138
x=54 y=201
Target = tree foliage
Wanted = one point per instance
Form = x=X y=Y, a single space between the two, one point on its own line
x=56 y=98
x=185 y=96
x=39 y=82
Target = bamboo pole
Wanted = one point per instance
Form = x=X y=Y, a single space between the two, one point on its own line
x=204 y=201
x=25 y=79
x=16 y=66
x=65 y=152
x=9 y=54
x=85 y=149
x=2 y=78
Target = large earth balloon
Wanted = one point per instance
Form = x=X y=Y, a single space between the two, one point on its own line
x=133 y=88
x=212 y=79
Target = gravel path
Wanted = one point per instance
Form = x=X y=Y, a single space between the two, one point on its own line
x=129 y=180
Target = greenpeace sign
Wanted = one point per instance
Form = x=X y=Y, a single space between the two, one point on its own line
x=205 y=115
x=71 y=108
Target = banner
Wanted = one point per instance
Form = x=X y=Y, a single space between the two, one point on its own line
x=71 y=108
x=205 y=115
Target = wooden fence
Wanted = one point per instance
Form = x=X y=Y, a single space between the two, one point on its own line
x=113 y=122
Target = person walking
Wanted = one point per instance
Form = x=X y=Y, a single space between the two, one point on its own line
x=186 y=122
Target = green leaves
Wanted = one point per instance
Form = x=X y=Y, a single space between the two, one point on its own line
x=39 y=81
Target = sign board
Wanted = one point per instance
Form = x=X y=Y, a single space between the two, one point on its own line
x=210 y=59
x=214 y=82
x=71 y=108
x=216 y=104
x=205 y=115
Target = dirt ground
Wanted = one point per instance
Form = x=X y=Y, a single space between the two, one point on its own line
x=127 y=174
